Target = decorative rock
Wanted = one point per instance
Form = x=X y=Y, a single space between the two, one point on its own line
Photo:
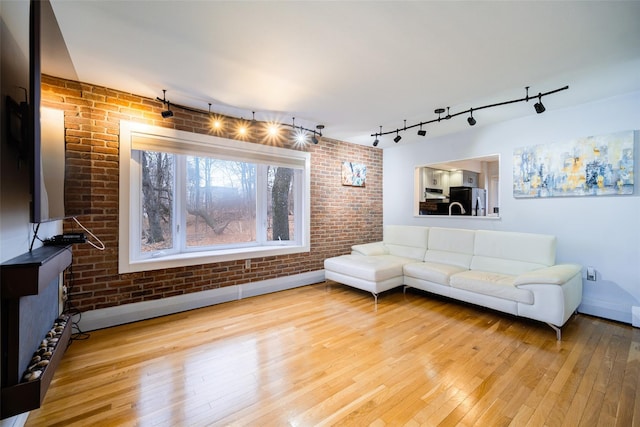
x=33 y=375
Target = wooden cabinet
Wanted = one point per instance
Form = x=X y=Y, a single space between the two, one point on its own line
x=29 y=290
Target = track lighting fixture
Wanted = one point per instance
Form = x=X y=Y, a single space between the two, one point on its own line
x=377 y=141
x=471 y=120
x=314 y=138
x=272 y=128
x=539 y=107
x=167 y=113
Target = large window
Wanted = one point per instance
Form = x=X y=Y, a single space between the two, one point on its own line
x=189 y=199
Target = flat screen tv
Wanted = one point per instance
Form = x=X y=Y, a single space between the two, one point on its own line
x=53 y=195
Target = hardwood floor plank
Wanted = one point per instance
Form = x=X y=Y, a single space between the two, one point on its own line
x=327 y=355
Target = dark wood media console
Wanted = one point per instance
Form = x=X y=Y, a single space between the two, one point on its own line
x=29 y=297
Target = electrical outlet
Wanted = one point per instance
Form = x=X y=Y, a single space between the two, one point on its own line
x=247 y=264
x=591 y=274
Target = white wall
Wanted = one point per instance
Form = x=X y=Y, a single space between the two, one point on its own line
x=603 y=232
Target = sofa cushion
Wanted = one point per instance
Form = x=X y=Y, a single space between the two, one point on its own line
x=450 y=246
x=406 y=240
x=369 y=249
x=432 y=271
x=374 y=268
x=554 y=275
x=492 y=284
x=511 y=252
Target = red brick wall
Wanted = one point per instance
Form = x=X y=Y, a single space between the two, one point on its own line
x=340 y=215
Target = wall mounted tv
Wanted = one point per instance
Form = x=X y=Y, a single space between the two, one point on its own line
x=57 y=192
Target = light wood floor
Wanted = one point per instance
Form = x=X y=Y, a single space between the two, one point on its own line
x=324 y=355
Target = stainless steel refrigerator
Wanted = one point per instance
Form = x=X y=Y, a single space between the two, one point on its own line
x=473 y=200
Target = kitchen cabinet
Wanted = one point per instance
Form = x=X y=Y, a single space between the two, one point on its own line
x=463 y=178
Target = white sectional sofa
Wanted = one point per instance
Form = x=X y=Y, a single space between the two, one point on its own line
x=511 y=272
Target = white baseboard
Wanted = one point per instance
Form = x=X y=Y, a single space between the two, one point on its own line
x=608 y=310
x=118 y=315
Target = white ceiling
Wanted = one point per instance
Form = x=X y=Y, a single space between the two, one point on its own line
x=356 y=65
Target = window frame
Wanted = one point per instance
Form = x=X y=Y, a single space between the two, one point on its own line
x=133 y=134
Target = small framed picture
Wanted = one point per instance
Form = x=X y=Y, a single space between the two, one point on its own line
x=354 y=174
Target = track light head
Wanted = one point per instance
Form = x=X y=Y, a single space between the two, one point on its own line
x=471 y=120
x=167 y=113
x=397 y=138
x=422 y=132
x=377 y=141
x=314 y=139
x=538 y=105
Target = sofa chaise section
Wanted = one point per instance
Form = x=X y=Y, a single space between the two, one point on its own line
x=377 y=267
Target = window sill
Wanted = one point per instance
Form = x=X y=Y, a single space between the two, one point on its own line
x=210 y=257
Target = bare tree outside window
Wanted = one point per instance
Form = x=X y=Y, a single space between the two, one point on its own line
x=221 y=203
x=280 y=213
x=157 y=200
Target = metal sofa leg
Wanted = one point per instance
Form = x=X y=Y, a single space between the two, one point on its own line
x=557 y=329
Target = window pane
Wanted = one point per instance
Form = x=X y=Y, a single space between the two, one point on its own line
x=157 y=201
x=280 y=203
x=221 y=202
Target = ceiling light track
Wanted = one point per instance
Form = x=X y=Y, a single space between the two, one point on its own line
x=471 y=120
x=302 y=132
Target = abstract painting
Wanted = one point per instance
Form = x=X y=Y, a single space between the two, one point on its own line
x=590 y=166
x=354 y=174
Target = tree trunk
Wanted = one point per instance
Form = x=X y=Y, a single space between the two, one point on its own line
x=152 y=203
x=280 y=203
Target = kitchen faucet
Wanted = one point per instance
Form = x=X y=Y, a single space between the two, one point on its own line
x=462 y=211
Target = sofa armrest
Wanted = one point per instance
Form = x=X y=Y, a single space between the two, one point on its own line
x=369 y=249
x=555 y=275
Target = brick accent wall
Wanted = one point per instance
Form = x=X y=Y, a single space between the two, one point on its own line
x=340 y=215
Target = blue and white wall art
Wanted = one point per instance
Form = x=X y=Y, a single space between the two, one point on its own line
x=590 y=166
